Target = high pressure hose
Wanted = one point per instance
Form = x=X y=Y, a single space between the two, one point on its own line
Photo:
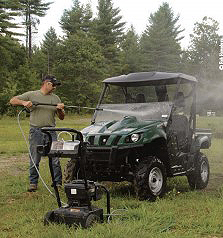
x=109 y=214
x=27 y=145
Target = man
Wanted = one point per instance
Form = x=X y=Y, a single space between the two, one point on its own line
x=41 y=116
x=179 y=103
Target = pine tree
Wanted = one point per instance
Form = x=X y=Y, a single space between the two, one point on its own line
x=79 y=18
x=108 y=30
x=10 y=50
x=49 y=47
x=8 y=11
x=160 y=42
x=130 y=51
x=32 y=10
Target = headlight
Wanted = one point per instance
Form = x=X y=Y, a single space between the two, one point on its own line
x=135 y=137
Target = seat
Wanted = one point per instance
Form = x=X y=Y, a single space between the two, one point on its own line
x=179 y=126
x=179 y=100
x=140 y=98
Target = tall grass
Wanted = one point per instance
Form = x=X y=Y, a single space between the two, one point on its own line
x=181 y=213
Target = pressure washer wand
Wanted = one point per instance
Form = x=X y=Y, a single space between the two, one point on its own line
x=65 y=106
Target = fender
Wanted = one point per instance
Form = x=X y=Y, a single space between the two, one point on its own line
x=203 y=142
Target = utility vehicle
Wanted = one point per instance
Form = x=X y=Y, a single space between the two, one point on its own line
x=143 y=131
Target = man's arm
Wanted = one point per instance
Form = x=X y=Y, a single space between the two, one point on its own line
x=60 y=111
x=15 y=101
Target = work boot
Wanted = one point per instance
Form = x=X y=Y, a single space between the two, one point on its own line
x=32 y=188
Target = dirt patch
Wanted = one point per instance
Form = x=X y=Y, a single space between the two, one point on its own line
x=13 y=164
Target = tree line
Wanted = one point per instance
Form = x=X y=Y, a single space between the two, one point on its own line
x=96 y=47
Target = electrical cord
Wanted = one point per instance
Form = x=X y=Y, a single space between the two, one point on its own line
x=27 y=145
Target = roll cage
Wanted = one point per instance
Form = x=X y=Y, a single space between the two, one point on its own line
x=158 y=79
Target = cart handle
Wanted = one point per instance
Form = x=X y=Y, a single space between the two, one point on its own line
x=80 y=136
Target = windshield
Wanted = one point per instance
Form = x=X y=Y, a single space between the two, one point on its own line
x=142 y=111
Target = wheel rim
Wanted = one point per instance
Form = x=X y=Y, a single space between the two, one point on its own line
x=155 y=180
x=204 y=171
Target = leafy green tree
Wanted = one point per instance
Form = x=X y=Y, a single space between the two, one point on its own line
x=32 y=10
x=16 y=77
x=109 y=30
x=12 y=56
x=39 y=62
x=80 y=66
x=79 y=18
x=160 y=42
x=130 y=52
x=8 y=91
x=202 y=60
x=12 y=53
x=204 y=47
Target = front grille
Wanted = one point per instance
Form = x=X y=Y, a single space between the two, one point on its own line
x=116 y=140
x=103 y=139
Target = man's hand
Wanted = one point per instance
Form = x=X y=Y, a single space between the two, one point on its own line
x=60 y=106
x=27 y=104
x=60 y=111
x=15 y=101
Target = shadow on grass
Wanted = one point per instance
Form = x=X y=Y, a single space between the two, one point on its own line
x=126 y=189
x=120 y=189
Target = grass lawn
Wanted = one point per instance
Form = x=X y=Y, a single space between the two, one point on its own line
x=181 y=213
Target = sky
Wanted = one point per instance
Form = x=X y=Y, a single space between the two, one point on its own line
x=137 y=12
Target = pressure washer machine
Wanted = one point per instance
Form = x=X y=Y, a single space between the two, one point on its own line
x=80 y=192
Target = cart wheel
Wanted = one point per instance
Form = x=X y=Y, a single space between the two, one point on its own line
x=91 y=220
x=48 y=218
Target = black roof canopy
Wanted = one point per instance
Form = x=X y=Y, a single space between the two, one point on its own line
x=149 y=78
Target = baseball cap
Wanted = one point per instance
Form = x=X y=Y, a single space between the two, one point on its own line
x=52 y=79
